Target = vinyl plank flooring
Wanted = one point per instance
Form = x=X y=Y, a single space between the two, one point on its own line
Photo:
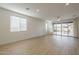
x=46 y=45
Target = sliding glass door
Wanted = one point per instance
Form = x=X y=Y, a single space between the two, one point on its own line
x=59 y=29
x=64 y=29
x=54 y=28
x=70 y=29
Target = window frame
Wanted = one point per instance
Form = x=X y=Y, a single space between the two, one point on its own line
x=22 y=22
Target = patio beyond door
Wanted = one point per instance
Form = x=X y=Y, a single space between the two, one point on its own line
x=64 y=29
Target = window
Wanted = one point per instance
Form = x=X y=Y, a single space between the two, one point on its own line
x=17 y=24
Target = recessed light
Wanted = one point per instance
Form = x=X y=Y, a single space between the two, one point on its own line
x=27 y=8
x=37 y=10
x=67 y=4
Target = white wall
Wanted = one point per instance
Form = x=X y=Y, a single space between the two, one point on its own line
x=76 y=27
x=35 y=27
x=49 y=27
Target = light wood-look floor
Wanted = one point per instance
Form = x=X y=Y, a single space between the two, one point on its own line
x=47 y=45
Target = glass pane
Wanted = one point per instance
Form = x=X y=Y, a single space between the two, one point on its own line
x=70 y=29
x=55 y=28
x=14 y=24
x=64 y=29
x=23 y=24
x=59 y=29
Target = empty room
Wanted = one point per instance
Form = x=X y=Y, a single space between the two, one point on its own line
x=39 y=28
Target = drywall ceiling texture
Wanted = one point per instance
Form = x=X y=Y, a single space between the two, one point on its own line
x=47 y=11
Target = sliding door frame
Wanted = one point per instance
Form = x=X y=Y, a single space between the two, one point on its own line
x=61 y=28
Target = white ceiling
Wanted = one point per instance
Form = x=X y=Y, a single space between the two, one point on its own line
x=48 y=11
